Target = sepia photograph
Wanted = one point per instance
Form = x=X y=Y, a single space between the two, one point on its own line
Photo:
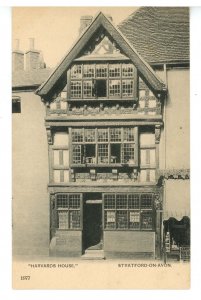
x=101 y=147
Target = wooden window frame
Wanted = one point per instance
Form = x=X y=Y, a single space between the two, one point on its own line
x=108 y=142
x=68 y=210
x=128 y=210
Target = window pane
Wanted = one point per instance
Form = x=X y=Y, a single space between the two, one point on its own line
x=89 y=135
x=77 y=135
x=114 y=70
x=89 y=71
x=101 y=70
x=63 y=219
x=115 y=134
x=122 y=221
x=87 y=88
x=146 y=201
x=129 y=134
x=75 y=219
x=109 y=201
x=127 y=88
x=74 y=201
x=77 y=154
x=62 y=201
x=134 y=219
x=146 y=220
x=121 y=201
x=76 y=72
x=109 y=219
x=103 y=135
x=128 y=154
x=61 y=139
x=127 y=70
x=76 y=89
x=134 y=201
x=102 y=154
x=114 y=87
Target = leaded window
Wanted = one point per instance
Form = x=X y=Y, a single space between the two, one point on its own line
x=127 y=88
x=114 y=87
x=129 y=211
x=76 y=89
x=116 y=145
x=68 y=211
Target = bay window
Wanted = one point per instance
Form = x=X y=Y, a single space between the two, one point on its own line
x=101 y=80
x=104 y=146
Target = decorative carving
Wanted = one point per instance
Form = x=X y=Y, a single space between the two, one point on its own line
x=52 y=201
x=49 y=135
x=114 y=174
x=157 y=134
x=135 y=174
x=157 y=202
x=174 y=174
x=93 y=174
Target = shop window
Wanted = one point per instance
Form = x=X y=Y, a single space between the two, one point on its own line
x=129 y=211
x=68 y=211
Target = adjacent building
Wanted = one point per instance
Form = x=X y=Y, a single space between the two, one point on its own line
x=101 y=164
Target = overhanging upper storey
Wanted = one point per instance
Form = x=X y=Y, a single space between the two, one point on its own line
x=100 y=37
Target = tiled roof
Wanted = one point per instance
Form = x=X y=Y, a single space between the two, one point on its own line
x=159 y=34
x=33 y=77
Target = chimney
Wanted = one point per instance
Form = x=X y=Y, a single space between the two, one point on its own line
x=32 y=56
x=17 y=57
x=85 y=21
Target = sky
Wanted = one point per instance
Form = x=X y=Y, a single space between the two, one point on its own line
x=56 y=28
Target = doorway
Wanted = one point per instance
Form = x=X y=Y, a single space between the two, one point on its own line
x=92 y=222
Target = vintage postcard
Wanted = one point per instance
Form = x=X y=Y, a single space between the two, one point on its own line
x=101 y=168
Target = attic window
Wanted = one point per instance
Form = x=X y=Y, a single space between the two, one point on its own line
x=16 y=105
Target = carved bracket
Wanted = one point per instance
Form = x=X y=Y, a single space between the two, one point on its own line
x=49 y=135
x=157 y=134
x=52 y=201
x=157 y=202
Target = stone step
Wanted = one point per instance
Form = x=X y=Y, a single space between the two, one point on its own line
x=93 y=254
x=98 y=252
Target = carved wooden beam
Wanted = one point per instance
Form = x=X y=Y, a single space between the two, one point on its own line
x=49 y=135
x=174 y=174
x=157 y=133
